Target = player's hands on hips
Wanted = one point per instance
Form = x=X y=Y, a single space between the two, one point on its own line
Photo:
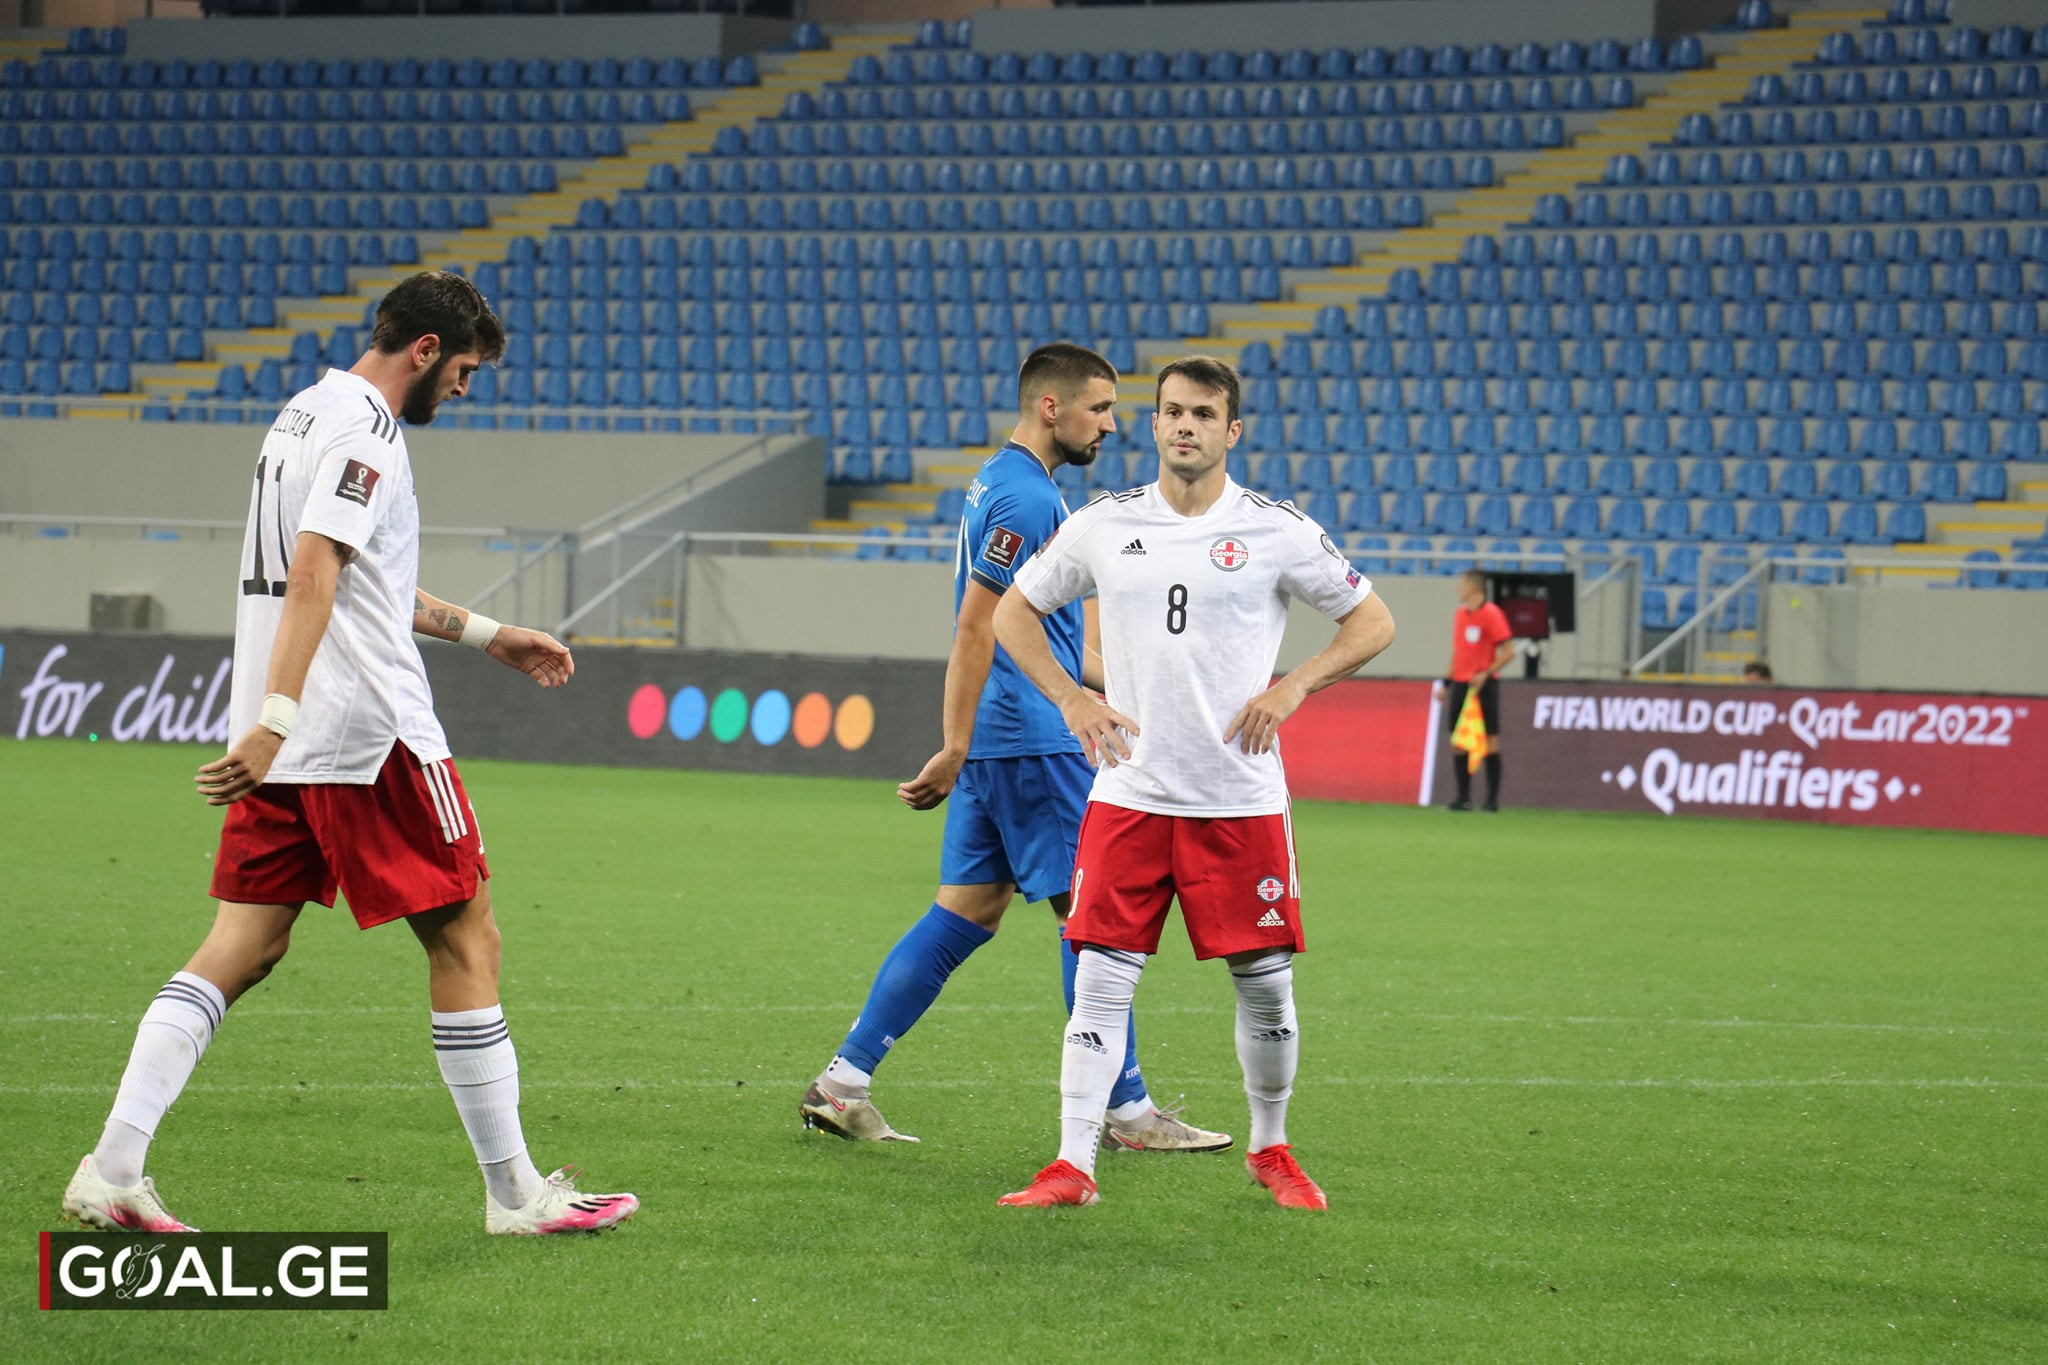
x=535 y=653
x=933 y=783
x=1105 y=733
x=241 y=769
x=1257 y=723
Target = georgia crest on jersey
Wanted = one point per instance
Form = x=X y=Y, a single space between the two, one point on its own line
x=1014 y=508
x=334 y=462
x=1193 y=611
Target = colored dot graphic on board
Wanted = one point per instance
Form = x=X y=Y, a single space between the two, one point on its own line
x=686 y=713
x=769 y=718
x=812 y=721
x=856 y=723
x=645 y=712
x=728 y=715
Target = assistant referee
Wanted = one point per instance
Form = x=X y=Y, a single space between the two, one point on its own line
x=1481 y=646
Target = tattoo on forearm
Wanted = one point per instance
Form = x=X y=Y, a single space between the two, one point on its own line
x=448 y=619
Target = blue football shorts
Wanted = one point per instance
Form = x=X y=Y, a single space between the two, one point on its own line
x=1016 y=820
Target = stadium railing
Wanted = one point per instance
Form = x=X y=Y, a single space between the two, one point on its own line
x=507 y=416
x=556 y=559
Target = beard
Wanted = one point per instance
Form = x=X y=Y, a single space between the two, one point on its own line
x=1082 y=456
x=1193 y=465
x=421 y=396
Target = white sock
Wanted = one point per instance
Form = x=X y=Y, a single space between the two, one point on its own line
x=169 y=1042
x=1104 y=983
x=474 y=1048
x=1268 y=1042
x=1136 y=1109
x=850 y=1079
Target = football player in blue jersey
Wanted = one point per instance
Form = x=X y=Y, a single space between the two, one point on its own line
x=1017 y=777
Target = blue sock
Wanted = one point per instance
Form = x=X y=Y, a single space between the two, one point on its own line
x=910 y=978
x=1130 y=1082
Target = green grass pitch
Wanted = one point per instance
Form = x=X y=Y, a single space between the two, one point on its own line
x=1579 y=1087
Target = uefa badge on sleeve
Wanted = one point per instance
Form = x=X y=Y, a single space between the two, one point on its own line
x=267 y=1270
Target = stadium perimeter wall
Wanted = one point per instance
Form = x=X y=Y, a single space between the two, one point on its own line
x=488 y=38
x=796 y=606
x=1322 y=24
x=1839 y=637
x=532 y=482
x=1991 y=14
x=1988 y=640
x=1831 y=757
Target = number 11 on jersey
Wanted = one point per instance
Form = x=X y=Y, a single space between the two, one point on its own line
x=266 y=510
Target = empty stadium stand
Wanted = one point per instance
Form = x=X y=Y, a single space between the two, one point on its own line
x=1769 y=291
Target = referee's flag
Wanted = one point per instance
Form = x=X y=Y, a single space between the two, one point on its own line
x=1469 y=734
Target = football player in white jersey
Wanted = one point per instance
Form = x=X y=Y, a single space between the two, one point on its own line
x=1193 y=575
x=340 y=778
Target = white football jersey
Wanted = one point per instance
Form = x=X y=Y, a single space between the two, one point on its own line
x=1193 y=610
x=335 y=462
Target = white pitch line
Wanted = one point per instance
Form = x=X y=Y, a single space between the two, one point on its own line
x=1367 y=1082
x=1224 y=1004
x=1652 y=1022
x=1221 y=1004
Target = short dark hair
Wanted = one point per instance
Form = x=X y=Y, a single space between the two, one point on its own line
x=1758 y=669
x=1204 y=372
x=1062 y=367
x=443 y=304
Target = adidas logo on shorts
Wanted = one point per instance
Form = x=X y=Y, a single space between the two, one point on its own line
x=1136 y=547
x=1271 y=920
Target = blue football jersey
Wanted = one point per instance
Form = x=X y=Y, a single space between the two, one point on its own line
x=1013 y=507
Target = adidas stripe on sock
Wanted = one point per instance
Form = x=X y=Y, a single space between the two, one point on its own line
x=474 y=1050
x=169 y=1042
x=1093 y=1052
x=1268 y=1042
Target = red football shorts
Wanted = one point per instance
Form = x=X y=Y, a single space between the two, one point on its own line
x=1234 y=876
x=406 y=843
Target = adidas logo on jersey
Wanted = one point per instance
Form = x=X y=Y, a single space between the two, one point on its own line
x=1136 y=547
x=1092 y=1041
x=1271 y=920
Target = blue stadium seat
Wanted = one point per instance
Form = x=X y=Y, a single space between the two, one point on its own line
x=1408 y=513
x=1906 y=523
x=1529 y=474
x=1363 y=512
x=1581 y=519
x=1941 y=483
x=1627 y=520
x=1672 y=520
x=1988 y=576
x=1810 y=525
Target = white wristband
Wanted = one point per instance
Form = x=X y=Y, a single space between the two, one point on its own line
x=479 y=631
x=279 y=714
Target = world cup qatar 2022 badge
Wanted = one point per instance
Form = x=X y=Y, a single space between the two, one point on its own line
x=358 y=482
x=1229 y=554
